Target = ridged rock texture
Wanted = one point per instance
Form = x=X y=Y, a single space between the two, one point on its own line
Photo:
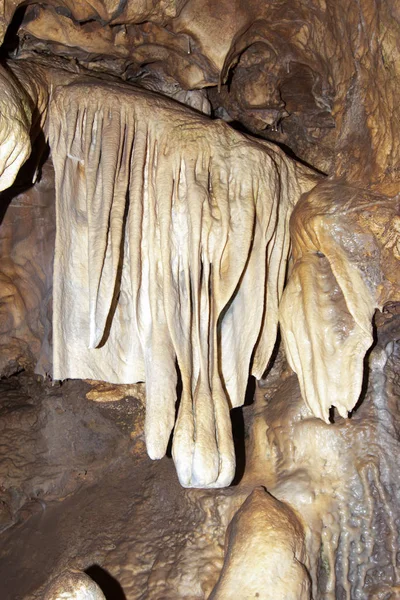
x=145 y=240
x=346 y=255
x=172 y=244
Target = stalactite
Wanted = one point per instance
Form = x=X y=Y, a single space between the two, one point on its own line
x=340 y=261
x=178 y=228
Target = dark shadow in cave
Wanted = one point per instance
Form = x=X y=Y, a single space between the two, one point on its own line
x=388 y=330
x=273 y=357
x=177 y=404
x=241 y=127
x=289 y=152
x=239 y=431
x=106 y=582
x=11 y=39
x=238 y=434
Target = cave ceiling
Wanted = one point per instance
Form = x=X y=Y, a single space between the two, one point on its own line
x=291 y=71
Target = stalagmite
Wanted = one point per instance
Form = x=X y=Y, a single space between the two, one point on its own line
x=264 y=553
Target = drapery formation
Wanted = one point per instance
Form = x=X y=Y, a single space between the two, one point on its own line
x=172 y=245
x=172 y=242
x=346 y=254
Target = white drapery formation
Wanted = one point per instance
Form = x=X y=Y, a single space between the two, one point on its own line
x=172 y=243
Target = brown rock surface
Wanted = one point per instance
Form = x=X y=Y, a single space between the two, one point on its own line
x=264 y=553
x=78 y=495
x=298 y=72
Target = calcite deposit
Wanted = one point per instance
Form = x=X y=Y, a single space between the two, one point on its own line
x=199 y=301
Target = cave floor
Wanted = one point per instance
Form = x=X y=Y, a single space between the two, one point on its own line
x=78 y=491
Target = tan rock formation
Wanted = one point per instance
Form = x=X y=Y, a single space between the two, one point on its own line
x=346 y=253
x=159 y=243
x=27 y=236
x=265 y=553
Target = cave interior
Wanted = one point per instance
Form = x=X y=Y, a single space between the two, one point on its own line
x=199 y=299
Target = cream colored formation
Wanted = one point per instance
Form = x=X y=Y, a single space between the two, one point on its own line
x=16 y=117
x=172 y=247
x=172 y=242
x=346 y=254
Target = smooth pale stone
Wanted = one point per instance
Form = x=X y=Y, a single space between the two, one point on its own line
x=264 y=553
x=171 y=248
